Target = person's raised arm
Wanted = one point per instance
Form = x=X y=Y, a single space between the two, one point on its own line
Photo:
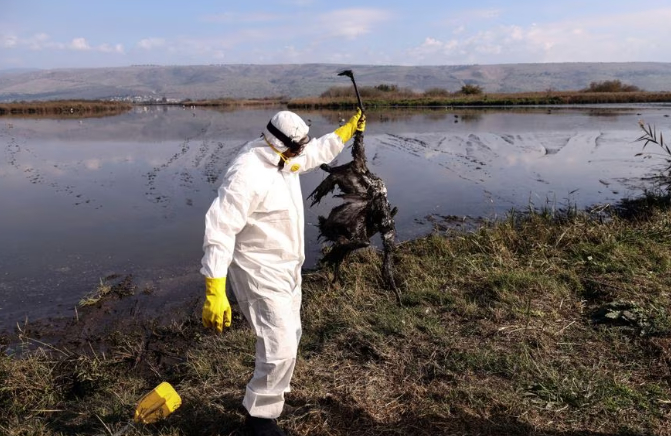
x=326 y=148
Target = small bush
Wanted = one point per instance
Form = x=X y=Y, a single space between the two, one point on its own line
x=471 y=90
x=385 y=91
x=387 y=88
x=436 y=92
x=382 y=90
x=338 y=92
x=611 y=86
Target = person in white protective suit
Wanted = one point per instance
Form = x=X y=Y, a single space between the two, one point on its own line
x=254 y=240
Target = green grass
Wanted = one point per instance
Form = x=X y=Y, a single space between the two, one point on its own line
x=500 y=332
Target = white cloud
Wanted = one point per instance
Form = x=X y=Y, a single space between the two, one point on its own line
x=311 y=41
x=459 y=30
x=343 y=23
x=300 y=2
x=39 y=41
x=644 y=36
x=351 y=23
x=231 y=17
x=216 y=46
x=106 y=48
x=432 y=48
x=151 y=43
x=473 y=15
x=42 y=41
x=9 y=41
x=219 y=56
x=247 y=45
x=618 y=38
x=291 y=53
x=486 y=13
x=371 y=35
x=79 y=44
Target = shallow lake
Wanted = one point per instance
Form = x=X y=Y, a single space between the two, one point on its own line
x=86 y=198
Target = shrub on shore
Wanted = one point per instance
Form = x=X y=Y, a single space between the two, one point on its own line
x=382 y=96
x=611 y=86
x=471 y=90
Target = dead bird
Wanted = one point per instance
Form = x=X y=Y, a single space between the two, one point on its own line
x=364 y=212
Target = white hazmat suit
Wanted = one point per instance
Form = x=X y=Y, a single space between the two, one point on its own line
x=254 y=236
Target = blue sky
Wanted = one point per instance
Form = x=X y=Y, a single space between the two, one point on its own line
x=88 y=33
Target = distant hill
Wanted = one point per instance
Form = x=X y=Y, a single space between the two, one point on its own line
x=300 y=80
x=17 y=70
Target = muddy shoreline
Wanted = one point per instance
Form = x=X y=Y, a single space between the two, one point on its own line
x=127 y=308
x=134 y=302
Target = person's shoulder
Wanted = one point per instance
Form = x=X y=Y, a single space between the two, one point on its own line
x=246 y=157
x=251 y=169
x=251 y=160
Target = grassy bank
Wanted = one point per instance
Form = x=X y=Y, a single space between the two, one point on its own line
x=408 y=99
x=64 y=108
x=534 y=325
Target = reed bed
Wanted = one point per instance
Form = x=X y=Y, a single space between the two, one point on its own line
x=64 y=108
x=484 y=99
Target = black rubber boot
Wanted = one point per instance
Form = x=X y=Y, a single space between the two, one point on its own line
x=264 y=427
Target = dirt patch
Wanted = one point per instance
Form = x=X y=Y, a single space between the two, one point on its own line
x=125 y=310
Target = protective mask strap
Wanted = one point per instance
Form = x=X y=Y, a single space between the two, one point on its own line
x=283 y=159
x=277 y=133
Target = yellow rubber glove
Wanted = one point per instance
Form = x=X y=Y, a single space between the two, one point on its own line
x=361 y=124
x=217 y=309
x=346 y=131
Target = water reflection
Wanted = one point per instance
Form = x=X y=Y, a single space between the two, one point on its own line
x=86 y=198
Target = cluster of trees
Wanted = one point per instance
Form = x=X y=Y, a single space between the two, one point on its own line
x=611 y=86
x=386 y=90
x=609 y=91
x=465 y=90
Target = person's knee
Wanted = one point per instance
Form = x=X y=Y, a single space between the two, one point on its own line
x=281 y=346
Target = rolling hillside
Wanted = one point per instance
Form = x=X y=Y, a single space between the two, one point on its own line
x=257 y=81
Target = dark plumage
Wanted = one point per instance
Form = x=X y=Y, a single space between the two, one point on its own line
x=364 y=212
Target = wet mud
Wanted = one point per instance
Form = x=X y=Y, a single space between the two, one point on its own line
x=22 y=157
x=127 y=311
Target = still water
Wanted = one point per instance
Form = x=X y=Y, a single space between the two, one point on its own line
x=86 y=198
